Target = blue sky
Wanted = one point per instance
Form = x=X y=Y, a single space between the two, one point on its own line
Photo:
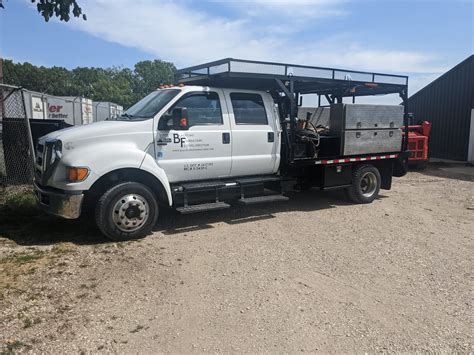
x=419 y=38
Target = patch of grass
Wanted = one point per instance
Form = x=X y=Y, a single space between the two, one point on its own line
x=34 y=296
x=13 y=346
x=63 y=248
x=22 y=258
x=15 y=266
x=27 y=322
x=17 y=209
x=25 y=258
x=24 y=223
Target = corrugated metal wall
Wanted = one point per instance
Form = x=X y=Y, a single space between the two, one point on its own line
x=447 y=102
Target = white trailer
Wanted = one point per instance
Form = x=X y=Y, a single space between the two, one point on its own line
x=73 y=110
x=104 y=110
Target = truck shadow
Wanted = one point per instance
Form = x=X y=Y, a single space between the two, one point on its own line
x=42 y=229
x=29 y=227
x=24 y=224
x=173 y=223
x=457 y=171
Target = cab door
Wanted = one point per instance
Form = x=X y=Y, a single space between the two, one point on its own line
x=203 y=151
x=255 y=133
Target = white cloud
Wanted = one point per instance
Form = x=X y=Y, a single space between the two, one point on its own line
x=174 y=31
x=295 y=10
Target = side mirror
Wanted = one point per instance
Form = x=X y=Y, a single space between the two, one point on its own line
x=180 y=118
x=177 y=120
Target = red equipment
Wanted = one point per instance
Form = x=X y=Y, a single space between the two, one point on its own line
x=418 y=142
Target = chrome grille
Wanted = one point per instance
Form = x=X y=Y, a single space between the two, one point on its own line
x=39 y=161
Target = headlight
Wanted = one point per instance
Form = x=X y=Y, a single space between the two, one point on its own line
x=56 y=148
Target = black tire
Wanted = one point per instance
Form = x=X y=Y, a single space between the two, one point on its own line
x=129 y=203
x=358 y=192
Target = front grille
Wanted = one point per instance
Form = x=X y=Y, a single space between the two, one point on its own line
x=39 y=148
x=40 y=158
x=44 y=161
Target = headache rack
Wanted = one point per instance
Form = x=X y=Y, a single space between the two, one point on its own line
x=286 y=82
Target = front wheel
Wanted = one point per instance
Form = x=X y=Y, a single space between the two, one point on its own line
x=365 y=184
x=126 y=211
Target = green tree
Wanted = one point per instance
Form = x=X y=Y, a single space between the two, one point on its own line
x=120 y=85
x=61 y=9
x=54 y=81
x=152 y=74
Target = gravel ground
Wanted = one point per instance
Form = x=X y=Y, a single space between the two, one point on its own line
x=313 y=274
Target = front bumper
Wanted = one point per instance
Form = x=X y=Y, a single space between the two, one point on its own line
x=59 y=203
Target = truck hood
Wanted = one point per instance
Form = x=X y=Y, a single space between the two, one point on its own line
x=99 y=129
x=104 y=135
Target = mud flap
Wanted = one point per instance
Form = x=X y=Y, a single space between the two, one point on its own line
x=400 y=165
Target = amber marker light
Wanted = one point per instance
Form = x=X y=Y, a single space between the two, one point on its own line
x=77 y=174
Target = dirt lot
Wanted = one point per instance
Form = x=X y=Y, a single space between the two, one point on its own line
x=312 y=274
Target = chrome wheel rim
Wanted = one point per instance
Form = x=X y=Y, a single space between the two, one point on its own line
x=130 y=212
x=368 y=184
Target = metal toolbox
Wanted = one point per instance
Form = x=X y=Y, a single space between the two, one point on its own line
x=356 y=116
x=371 y=141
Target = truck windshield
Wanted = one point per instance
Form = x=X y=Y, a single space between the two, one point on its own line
x=149 y=106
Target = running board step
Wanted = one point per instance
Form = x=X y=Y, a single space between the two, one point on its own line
x=256 y=180
x=262 y=199
x=203 y=207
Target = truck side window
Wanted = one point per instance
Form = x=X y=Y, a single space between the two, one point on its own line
x=203 y=109
x=248 y=109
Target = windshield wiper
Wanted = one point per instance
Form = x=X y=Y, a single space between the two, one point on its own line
x=133 y=117
x=129 y=116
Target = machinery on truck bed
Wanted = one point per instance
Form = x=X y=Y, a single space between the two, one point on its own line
x=228 y=132
x=418 y=137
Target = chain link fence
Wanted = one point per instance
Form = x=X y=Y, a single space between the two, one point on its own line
x=16 y=148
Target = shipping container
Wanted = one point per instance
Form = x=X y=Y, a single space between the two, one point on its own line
x=103 y=110
x=72 y=110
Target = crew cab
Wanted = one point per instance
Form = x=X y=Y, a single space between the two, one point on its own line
x=227 y=133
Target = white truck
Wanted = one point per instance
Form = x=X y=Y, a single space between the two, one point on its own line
x=228 y=132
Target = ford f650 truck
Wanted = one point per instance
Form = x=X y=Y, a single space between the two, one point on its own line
x=228 y=132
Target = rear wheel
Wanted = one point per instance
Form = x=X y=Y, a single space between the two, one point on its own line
x=365 y=184
x=127 y=211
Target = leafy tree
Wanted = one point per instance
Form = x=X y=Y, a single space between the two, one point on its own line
x=61 y=9
x=152 y=74
x=120 y=85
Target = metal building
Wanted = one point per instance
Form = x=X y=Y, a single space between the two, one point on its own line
x=448 y=102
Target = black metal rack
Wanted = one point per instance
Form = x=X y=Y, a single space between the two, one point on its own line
x=289 y=81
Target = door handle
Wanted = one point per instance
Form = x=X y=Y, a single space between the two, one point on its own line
x=163 y=141
x=271 y=137
x=225 y=138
